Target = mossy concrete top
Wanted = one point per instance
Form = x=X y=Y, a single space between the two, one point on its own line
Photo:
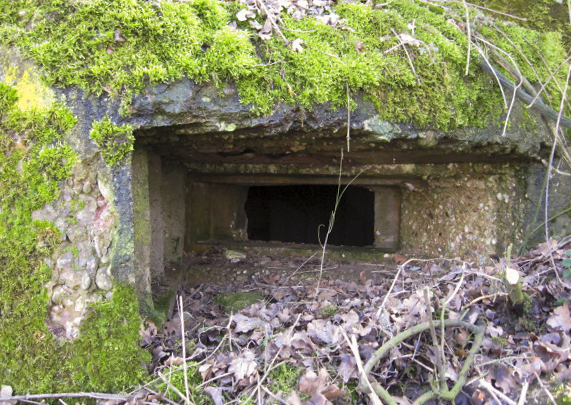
x=161 y=64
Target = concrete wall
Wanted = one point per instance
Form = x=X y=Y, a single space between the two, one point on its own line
x=159 y=192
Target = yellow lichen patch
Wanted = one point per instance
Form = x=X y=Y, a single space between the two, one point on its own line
x=32 y=93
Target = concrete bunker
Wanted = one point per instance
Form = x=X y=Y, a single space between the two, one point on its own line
x=185 y=200
x=195 y=188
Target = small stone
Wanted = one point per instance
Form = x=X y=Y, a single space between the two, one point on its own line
x=103 y=279
x=76 y=233
x=70 y=278
x=86 y=188
x=5 y=394
x=100 y=202
x=85 y=281
x=80 y=304
x=232 y=254
x=104 y=259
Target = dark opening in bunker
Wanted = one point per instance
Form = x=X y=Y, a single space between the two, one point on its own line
x=301 y=214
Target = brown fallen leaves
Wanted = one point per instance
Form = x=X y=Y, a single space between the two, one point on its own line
x=238 y=353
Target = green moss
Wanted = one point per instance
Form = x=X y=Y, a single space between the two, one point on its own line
x=175 y=377
x=106 y=356
x=33 y=160
x=284 y=378
x=114 y=141
x=119 y=46
x=238 y=301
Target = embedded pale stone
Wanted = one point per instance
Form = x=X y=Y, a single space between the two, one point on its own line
x=76 y=233
x=85 y=281
x=234 y=255
x=103 y=279
x=71 y=278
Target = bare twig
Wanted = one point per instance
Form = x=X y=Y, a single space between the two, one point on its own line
x=440 y=361
x=162 y=397
x=261 y=380
x=522 y=396
x=382 y=307
x=495 y=393
x=483 y=297
x=469 y=34
x=184 y=365
x=407 y=55
x=348 y=118
x=272 y=21
x=488 y=67
x=486 y=8
x=92 y=395
x=274 y=396
x=363 y=377
x=548 y=177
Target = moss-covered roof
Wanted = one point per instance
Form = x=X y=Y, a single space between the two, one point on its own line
x=120 y=46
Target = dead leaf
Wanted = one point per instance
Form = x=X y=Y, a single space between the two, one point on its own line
x=351 y=320
x=293 y=399
x=318 y=399
x=244 y=14
x=561 y=318
x=245 y=324
x=332 y=392
x=272 y=279
x=311 y=383
x=348 y=367
x=399 y=259
x=216 y=394
x=174 y=361
x=504 y=379
x=244 y=365
x=117 y=37
x=324 y=331
x=296 y=45
x=360 y=48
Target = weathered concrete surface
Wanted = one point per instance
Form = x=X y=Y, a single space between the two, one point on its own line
x=465 y=192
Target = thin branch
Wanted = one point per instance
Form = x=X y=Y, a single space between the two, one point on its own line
x=382 y=307
x=522 y=396
x=486 y=8
x=92 y=395
x=549 y=395
x=551 y=157
x=184 y=365
x=355 y=349
x=407 y=55
x=489 y=68
x=469 y=33
x=348 y=118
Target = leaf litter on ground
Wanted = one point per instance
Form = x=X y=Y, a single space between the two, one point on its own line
x=237 y=354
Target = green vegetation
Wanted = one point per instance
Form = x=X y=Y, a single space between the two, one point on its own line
x=119 y=46
x=284 y=378
x=329 y=311
x=34 y=158
x=539 y=15
x=114 y=141
x=238 y=301
x=176 y=379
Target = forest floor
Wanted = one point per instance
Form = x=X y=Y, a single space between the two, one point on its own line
x=289 y=329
